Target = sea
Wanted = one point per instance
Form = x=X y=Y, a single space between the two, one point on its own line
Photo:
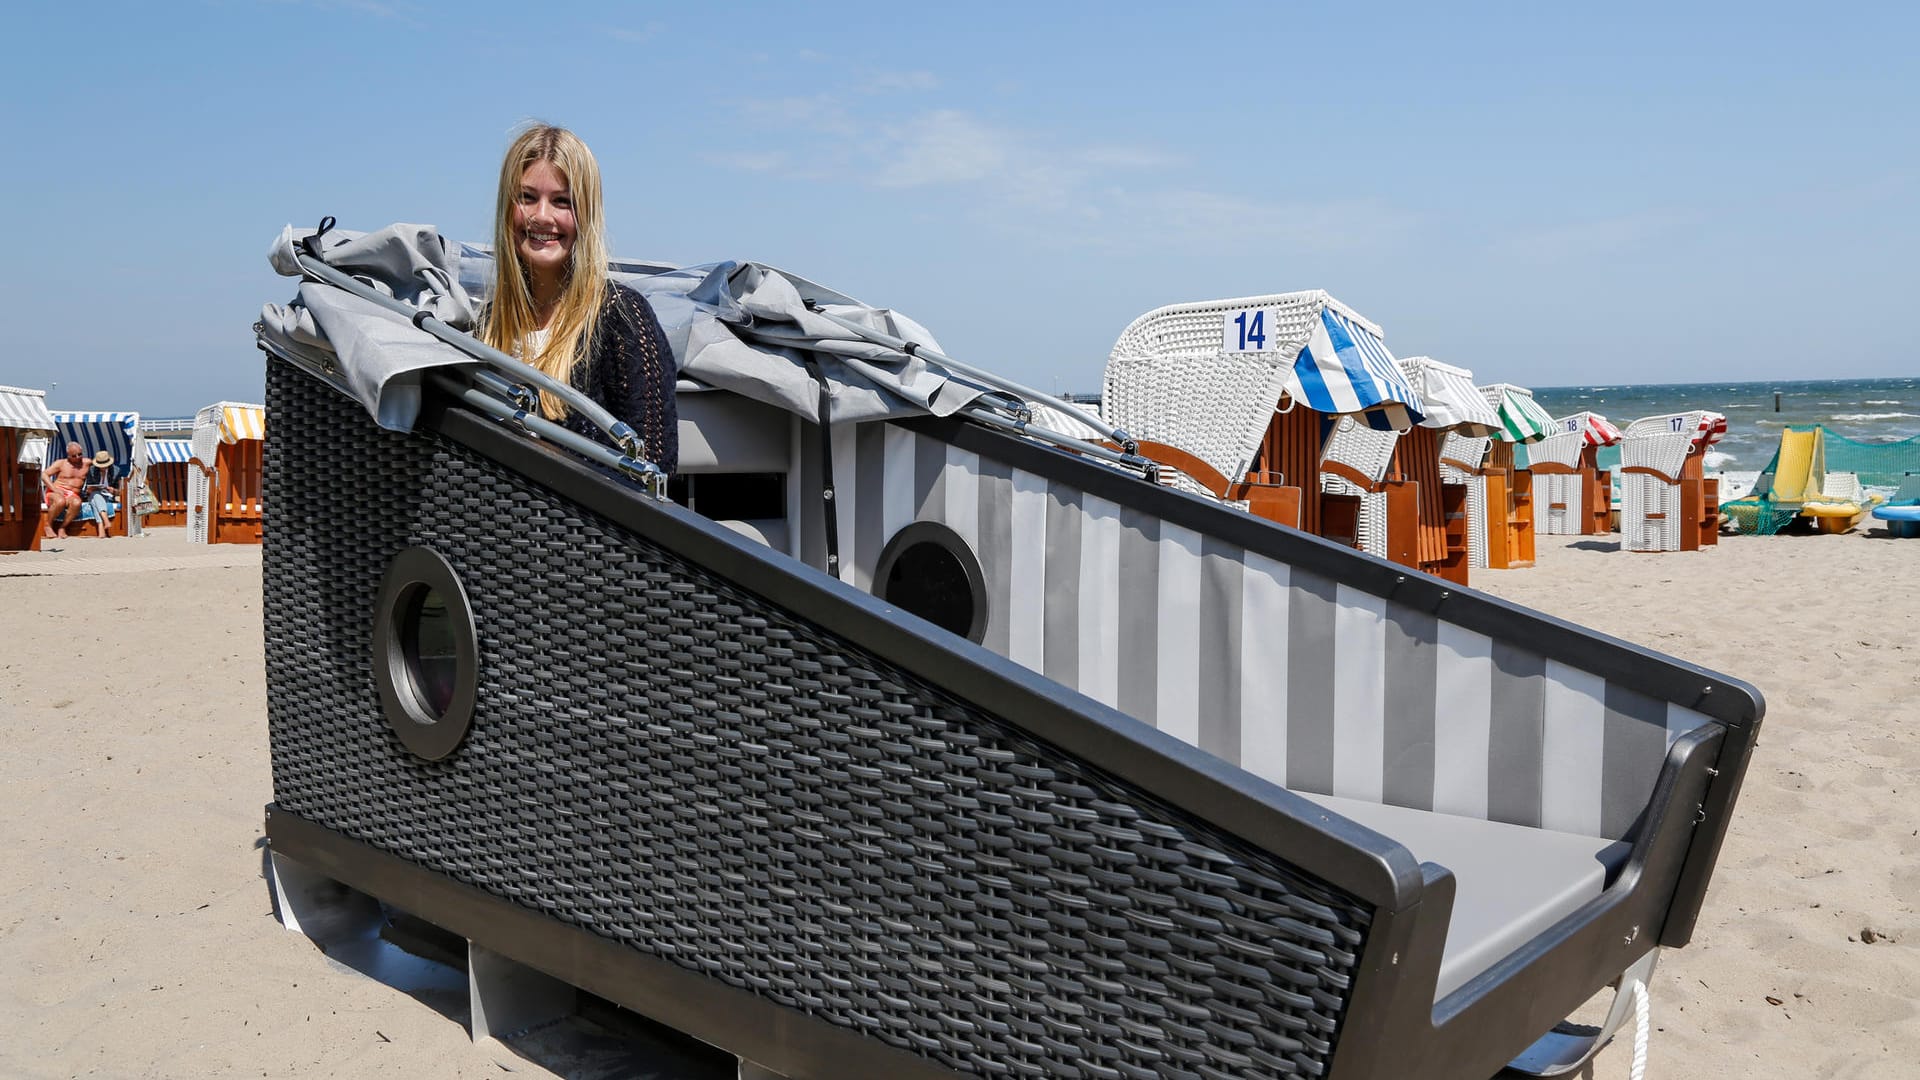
x=1864 y=410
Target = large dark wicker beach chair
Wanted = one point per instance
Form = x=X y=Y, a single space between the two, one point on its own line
x=1148 y=787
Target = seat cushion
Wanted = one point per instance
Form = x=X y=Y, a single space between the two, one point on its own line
x=1511 y=882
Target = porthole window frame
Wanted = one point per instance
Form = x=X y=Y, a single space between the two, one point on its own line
x=410 y=572
x=934 y=532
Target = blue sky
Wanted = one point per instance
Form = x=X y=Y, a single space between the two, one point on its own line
x=1545 y=195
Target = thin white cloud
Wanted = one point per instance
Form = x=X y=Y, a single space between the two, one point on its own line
x=1109 y=196
x=945 y=147
x=885 y=82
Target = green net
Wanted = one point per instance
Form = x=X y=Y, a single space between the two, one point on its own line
x=1758 y=515
x=1878 y=465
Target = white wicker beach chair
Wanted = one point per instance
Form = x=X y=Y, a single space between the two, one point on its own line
x=1170 y=379
x=1206 y=377
x=1562 y=488
x=1650 y=502
x=222 y=424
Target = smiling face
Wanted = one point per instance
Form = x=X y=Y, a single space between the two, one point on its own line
x=543 y=226
x=76 y=456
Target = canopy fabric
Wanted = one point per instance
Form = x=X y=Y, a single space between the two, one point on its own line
x=1593 y=428
x=164 y=451
x=25 y=409
x=1522 y=420
x=118 y=433
x=738 y=326
x=1448 y=397
x=1346 y=369
x=239 y=422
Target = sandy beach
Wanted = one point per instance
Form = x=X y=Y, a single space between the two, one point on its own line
x=136 y=937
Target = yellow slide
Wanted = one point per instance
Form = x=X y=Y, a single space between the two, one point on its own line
x=1802 y=467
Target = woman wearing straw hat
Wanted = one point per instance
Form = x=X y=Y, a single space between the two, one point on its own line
x=553 y=305
x=100 y=492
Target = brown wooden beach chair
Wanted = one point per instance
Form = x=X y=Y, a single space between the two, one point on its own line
x=168 y=461
x=1511 y=502
x=224 y=476
x=26 y=430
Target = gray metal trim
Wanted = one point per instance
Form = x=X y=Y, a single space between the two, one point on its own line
x=430 y=737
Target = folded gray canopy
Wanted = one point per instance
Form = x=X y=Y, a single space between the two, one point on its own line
x=739 y=326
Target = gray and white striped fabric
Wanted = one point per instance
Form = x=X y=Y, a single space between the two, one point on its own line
x=1310 y=683
x=24 y=408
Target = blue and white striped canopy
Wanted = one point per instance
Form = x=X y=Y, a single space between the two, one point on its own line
x=162 y=451
x=113 y=432
x=1346 y=368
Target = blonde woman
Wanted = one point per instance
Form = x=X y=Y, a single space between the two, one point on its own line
x=553 y=306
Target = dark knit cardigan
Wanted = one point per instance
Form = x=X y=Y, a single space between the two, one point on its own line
x=630 y=371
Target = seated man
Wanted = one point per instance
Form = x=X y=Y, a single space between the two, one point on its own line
x=64 y=482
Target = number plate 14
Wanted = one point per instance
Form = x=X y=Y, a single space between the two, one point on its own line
x=1246 y=330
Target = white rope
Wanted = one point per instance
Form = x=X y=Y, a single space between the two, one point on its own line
x=1643 y=1020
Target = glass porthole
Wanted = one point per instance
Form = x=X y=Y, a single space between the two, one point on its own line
x=927 y=569
x=425 y=656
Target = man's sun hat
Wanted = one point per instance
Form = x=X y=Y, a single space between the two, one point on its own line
x=103 y=459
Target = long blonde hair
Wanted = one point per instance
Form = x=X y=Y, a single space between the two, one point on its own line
x=510 y=316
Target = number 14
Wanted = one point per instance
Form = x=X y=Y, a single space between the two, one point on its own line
x=1252 y=330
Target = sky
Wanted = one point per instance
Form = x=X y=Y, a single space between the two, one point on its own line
x=1547 y=194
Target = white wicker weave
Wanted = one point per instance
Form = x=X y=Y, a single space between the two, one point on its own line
x=1464 y=448
x=1559 y=449
x=1477 y=523
x=1563 y=496
x=1661 y=442
x=1640 y=496
x=1169 y=379
x=206 y=443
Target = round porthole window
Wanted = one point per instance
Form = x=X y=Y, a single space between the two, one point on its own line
x=425 y=653
x=928 y=569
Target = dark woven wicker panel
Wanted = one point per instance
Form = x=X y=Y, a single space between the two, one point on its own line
x=669 y=761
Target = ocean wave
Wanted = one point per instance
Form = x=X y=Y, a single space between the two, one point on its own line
x=1756 y=406
x=1878 y=401
x=1858 y=416
x=1716 y=459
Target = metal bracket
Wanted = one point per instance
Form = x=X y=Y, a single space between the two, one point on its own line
x=1561 y=1052
x=509 y=997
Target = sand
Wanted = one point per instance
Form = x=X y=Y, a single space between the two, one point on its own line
x=135 y=930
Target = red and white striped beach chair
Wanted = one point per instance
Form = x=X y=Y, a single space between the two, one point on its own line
x=1666 y=503
x=1567 y=481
